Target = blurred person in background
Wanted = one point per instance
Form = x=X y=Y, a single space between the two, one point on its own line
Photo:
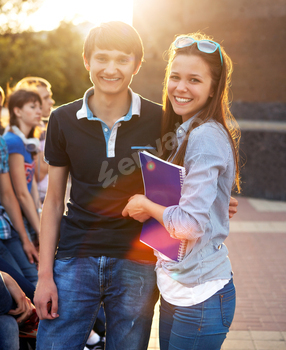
x=43 y=87
x=2 y=99
x=25 y=114
x=15 y=309
x=15 y=245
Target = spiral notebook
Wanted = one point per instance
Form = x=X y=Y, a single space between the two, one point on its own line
x=162 y=182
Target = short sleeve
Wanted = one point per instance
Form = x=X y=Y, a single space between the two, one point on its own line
x=4 y=157
x=55 y=147
x=14 y=144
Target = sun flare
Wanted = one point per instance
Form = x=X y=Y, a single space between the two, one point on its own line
x=52 y=12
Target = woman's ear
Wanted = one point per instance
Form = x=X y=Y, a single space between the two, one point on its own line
x=17 y=111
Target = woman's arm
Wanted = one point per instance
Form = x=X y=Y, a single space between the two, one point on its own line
x=18 y=177
x=207 y=157
x=140 y=208
x=41 y=169
x=35 y=195
x=11 y=205
x=24 y=304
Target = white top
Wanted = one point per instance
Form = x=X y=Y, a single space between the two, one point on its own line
x=178 y=294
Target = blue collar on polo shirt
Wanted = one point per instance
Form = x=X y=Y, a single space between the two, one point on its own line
x=109 y=134
x=85 y=111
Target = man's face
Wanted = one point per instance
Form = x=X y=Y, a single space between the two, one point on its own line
x=47 y=101
x=111 y=71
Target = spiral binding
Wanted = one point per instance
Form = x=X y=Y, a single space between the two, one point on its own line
x=182 y=249
x=182 y=176
x=183 y=244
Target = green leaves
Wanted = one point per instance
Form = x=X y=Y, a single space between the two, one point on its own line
x=55 y=56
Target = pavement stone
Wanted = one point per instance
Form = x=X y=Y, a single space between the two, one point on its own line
x=257 y=244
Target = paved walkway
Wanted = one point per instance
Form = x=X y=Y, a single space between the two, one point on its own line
x=257 y=250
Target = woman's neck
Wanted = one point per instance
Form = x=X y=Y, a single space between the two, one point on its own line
x=26 y=129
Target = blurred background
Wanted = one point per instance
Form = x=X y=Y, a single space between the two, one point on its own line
x=45 y=38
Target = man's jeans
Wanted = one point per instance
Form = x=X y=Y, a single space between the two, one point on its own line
x=127 y=289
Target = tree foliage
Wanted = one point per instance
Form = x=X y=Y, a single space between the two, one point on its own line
x=13 y=12
x=55 y=56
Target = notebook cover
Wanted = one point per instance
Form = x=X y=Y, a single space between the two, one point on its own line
x=162 y=182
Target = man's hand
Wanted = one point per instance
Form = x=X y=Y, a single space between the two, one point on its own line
x=46 y=299
x=233 y=203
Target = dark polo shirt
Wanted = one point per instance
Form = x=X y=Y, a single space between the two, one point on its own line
x=105 y=172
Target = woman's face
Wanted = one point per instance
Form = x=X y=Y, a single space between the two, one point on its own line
x=189 y=85
x=29 y=115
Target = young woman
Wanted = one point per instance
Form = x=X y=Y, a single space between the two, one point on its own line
x=25 y=114
x=197 y=294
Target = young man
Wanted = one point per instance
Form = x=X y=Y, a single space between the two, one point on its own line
x=99 y=257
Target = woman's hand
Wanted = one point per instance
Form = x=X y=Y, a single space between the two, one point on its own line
x=30 y=251
x=136 y=208
x=24 y=304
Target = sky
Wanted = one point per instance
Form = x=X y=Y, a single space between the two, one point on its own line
x=52 y=12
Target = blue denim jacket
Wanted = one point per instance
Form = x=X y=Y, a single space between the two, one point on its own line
x=202 y=213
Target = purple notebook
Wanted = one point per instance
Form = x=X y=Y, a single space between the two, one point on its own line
x=162 y=183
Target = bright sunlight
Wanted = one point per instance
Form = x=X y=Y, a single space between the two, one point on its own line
x=52 y=12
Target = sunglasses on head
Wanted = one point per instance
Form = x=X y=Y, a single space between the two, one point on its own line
x=206 y=46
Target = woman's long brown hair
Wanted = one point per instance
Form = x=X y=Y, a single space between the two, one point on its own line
x=216 y=108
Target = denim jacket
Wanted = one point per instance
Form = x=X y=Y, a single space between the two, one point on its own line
x=202 y=214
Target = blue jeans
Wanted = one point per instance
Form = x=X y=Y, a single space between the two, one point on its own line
x=11 y=250
x=127 y=290
x=9 y=333
x=198 y=327
x=27 y=287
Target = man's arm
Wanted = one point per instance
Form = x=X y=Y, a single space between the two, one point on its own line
x=12 y=207
x=46 y=291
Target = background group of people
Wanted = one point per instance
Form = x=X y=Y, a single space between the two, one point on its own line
x=23 y=186
x=91 y=257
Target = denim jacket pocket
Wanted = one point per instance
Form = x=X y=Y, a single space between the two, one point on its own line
x=227 y=302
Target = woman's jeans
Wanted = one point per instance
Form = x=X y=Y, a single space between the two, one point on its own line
x=9 y=331
x=200 y=327
x=27 y=287
x=11 y=250
x=127 y=290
